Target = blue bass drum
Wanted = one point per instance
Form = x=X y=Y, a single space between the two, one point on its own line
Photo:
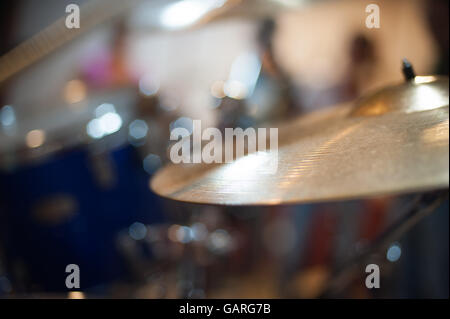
x=68 y=207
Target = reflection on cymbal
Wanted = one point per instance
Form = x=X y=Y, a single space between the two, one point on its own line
x=393 y=141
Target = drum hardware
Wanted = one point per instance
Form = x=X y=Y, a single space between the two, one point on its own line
x=408 y=71
x=422 y=206
x=104 y=170
x=55 y=209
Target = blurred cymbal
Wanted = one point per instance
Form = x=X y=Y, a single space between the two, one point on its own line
x=393 y=141
x=97 y=12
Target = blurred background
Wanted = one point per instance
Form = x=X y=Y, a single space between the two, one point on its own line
x=86 y=123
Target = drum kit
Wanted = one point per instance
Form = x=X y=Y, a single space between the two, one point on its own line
x=391 y=141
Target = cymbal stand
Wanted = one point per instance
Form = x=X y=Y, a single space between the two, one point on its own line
x=422 y=206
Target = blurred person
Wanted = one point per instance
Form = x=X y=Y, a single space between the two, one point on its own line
x=438 y=21
x=273 y=94
x=361 y=68
x=107 y=68
x=271 y=99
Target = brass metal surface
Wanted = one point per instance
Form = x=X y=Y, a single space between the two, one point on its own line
x=391 y=142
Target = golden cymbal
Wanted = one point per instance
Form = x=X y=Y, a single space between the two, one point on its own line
x=393 y=141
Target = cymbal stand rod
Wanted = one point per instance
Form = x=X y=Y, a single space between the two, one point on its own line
x=421 y=207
